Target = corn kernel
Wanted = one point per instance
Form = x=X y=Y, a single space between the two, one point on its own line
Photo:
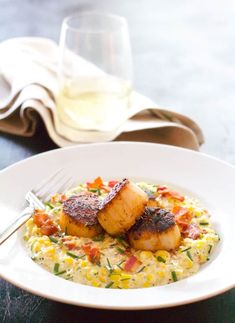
x=103 y=271
x=163 y=254
x=124 y=284
x=95 y=284
x=125 y=276
x=102 y=278
x=160 y=274
x=199 y=244
x=84 y=263
x=149 y=277
x=146 y=284
x=50 y=251
x=68 y=261
x=36 y=247
x=188 y=263
x=114 y=277
x=146 y=255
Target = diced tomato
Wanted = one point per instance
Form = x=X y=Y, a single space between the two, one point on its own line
x=97 y=183
x=48 y=229
x=182 y=216
x=131 y=264
x=112 y=183
x=40 y=218
x=193 y=231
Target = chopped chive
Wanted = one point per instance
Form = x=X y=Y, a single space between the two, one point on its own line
x=110 y=268
x=122 y=241
x=124 y=279
x=160 y=259
x=186 y=249
x=120 y=250
x=99 y=191
x=74 y=256
x=60 y=272
x=203 y=223
x=56 y=267
x=210 y=247
x=66 y=231
x=99 y=238
x=108 y=263
x=53 y=239
x=109 y=285
x=141 y=269
x=93 y=190
x=49 y=205
x=174 y=276
x=119 y=264
x=189 y=255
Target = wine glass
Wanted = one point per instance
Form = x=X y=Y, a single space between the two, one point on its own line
x=95 y=71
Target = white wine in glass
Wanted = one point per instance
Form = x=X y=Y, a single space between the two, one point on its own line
x=94 y=72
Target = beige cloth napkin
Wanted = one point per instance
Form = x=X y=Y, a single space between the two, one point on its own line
x=28 y=65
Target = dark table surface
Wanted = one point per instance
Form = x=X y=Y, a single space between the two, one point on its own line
x=184 y=57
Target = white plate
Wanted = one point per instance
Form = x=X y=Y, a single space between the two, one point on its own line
x=211 y=180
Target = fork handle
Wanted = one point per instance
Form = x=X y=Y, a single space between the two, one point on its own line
x=16 y=224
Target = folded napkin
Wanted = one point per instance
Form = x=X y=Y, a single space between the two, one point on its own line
x=28 y=77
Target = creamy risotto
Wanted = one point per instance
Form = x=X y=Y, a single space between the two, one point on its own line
x=110 y=261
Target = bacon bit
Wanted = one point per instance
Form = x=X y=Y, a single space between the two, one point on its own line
x=182 y=216
x=70 y=245
x=40 y=218
x=66 y=238
x=128 y=251
x=112 y=183
x=48 y=229
x=63 y=197
x=106 y=188
x=132 y=264
x=92 y=253
x=97 y=183
x=94 y=256
x=162 y=189
x=165 y=191
x=192 y=231
x=86 y=248
x=176 y=195
x=43 y=221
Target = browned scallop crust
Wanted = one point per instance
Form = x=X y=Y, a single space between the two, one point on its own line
x=156 y=229
x=122 y=207
x=82 y=208
x=113 y=193
x=154 y=220
x=79 y=215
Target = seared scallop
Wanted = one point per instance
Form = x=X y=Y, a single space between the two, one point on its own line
x=156 y=229
x=79 y=215
x=122 y=207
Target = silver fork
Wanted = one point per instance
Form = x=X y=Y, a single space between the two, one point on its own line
x=58 y=182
